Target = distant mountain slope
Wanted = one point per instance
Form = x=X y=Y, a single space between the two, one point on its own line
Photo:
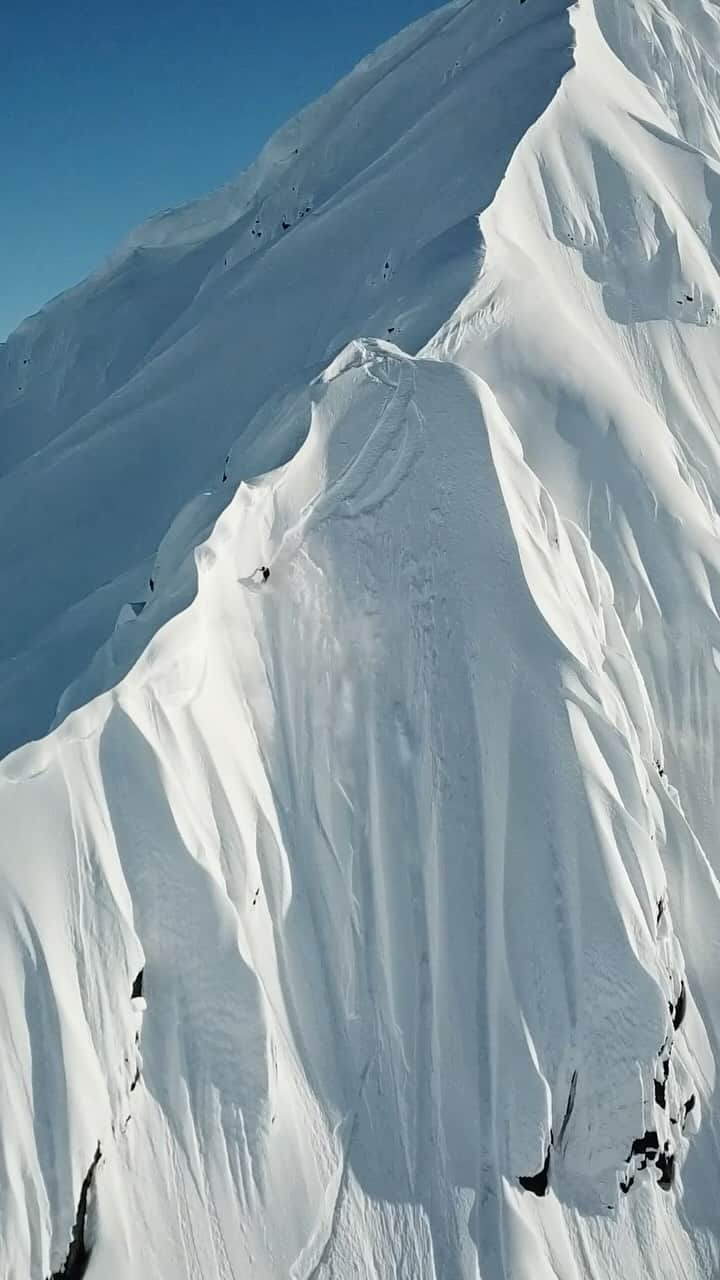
x=366 y=919
x=119 y=401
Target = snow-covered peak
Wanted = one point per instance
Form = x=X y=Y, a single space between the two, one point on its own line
x=125 y=395
x=360 y=912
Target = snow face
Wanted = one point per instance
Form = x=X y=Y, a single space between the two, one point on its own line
x=365 y=915
x=387 y=831
x=120 y=401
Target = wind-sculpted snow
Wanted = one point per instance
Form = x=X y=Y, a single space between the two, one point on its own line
x=602 y=346
x=365 y=918
x=387 y=835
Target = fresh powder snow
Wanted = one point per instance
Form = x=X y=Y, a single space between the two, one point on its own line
x=360 y=686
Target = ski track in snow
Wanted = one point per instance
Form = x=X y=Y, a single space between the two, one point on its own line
x=414 y=844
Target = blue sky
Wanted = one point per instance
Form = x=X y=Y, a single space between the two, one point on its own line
x=111 y=112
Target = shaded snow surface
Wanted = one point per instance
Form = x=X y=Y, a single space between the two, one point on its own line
x=366 y=919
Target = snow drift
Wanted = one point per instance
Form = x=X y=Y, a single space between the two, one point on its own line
x=365 y=920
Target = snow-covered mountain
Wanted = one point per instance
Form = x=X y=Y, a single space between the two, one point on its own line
x=121 y=399
x=365 y=921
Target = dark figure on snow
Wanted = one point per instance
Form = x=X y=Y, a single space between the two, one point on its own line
x=265 y=572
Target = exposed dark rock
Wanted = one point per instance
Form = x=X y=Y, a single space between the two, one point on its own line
x=568 y=1107
x=645 y=1145
x=666 y=1168
x=78 y=1255
x=680 y=1008
x=137 y=987
x=660 y=1093
x=537 y=1182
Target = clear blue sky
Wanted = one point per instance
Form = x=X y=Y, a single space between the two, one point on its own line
x=113 y=111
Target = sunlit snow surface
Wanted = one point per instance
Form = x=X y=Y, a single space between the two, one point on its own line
x=414 y=843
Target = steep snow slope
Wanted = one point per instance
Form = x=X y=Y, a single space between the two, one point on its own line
x=413 y=845
x=119 y=402
x=388 y=833
x=595 y=322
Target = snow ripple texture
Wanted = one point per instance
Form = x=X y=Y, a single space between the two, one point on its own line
x=366 y=919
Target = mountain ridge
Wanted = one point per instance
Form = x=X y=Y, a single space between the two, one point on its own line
x=413 y=842
x=264 y=323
